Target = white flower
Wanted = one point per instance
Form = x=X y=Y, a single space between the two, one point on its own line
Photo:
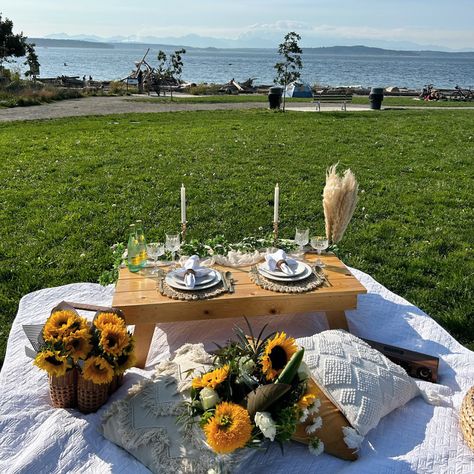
x=317 y=423
x=265 y=424
x=303 y=371
x=314 y=407
x=304 y=415
x=246 y=365
x=316 y=446
x=209 y=398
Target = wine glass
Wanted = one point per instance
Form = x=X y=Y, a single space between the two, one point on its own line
x=172 y=244
x=319 y=243
x=155 y=250
x=302 y=237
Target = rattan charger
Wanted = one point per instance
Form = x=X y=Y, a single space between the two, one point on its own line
x=467 y=418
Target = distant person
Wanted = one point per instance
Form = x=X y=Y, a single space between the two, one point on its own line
x=65 y=64
x=140 y=81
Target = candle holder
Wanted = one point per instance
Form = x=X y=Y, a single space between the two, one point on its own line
x=275 y=231
x=183 y=231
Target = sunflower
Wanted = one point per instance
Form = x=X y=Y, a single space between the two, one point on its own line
x=78 y=344
x=114 y=339
x=229 y=428
x=108 y=318
x=52 y=361
x=98 y=370
x=212 y=379
x=62 y=323
x=124 y=362
x=278 y=352
x=309 y=397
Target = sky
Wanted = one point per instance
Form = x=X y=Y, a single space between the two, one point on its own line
x=319 y=22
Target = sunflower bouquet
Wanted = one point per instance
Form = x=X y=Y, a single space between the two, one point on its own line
x=258 y=391
x=65 y=341
x=111 y=349
x=80 y=356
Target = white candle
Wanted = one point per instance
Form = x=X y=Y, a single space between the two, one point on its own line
x=183 y=204
x=277 y=203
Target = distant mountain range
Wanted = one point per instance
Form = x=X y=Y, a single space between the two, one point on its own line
x=357 y=50
x=250 y=39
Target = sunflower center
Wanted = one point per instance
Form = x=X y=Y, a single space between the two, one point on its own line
x=53 y=361
x=225 y=421
x=278 y=358
x=111 y=341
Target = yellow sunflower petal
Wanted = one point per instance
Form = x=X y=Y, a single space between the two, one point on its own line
x=98 y=370
x=114 y=339
x=52 y=361
x=78 y=344
x=229 y=429
x=108 y=318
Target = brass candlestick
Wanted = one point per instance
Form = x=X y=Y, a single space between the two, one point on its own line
x=275 y=231
x=183 y=231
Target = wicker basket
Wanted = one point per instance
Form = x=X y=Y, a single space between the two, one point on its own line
x=62 y=390
x=117 y=381
x=91 y=396
x=467 y=418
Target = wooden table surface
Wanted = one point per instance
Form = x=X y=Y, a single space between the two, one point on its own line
x=136 y=294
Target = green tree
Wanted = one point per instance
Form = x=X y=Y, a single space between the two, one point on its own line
x=169 y=69
x=31 y=61
x=14 y=45
x=289 y=68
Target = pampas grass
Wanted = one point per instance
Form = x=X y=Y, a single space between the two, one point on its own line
x=339 y=202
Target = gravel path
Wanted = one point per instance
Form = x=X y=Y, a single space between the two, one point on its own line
x=125 y=105
x=108 y=106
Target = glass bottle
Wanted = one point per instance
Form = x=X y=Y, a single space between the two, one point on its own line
x=133 y=250
x=141 y=242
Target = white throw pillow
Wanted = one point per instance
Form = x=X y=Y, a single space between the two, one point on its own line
x=144 y=422
x=361 y=381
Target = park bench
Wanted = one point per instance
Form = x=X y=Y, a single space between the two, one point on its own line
x=332 y=97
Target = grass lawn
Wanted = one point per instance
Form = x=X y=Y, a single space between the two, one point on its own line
x=227 y=99
x=71 y=187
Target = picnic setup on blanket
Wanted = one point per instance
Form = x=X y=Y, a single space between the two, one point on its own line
x=268 y=355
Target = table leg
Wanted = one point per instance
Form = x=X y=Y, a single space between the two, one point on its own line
x=143 y=335
x=337 y=320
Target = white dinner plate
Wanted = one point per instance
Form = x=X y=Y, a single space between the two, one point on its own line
x=306 y=273
x=299 y=270
x=180 y=285
x=199 y=280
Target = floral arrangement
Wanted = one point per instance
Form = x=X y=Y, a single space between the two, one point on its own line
x=100 y=350
x=257 y=391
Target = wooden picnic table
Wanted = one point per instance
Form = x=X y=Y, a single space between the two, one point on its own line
x=137 y=295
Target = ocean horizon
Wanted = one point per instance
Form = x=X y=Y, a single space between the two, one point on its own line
x=216 y=65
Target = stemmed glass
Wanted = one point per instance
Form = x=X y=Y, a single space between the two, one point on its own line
x=172 y=244
x=319 y=243
x=155 y=250
x=302 y=238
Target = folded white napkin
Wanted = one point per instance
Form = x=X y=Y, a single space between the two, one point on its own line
x=191 y=270
x=287 y=265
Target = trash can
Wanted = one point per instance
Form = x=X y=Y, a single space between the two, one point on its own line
x=376 y=98
x=274 y=97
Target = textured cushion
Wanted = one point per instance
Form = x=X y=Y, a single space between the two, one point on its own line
x=331 y=432
x=144 y=422
x=361 y=381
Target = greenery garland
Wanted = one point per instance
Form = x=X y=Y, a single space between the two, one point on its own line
x=218 y=245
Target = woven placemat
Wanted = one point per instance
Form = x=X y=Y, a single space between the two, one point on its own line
x=190 y=295
x=302 y=286
x=467 y=418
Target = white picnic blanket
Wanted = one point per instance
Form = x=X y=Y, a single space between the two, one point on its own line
x=35 y=438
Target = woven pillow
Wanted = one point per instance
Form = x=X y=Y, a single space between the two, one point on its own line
x=361 y=381
x=144 y=422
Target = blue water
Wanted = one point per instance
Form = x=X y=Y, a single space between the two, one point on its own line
x=221 y=65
